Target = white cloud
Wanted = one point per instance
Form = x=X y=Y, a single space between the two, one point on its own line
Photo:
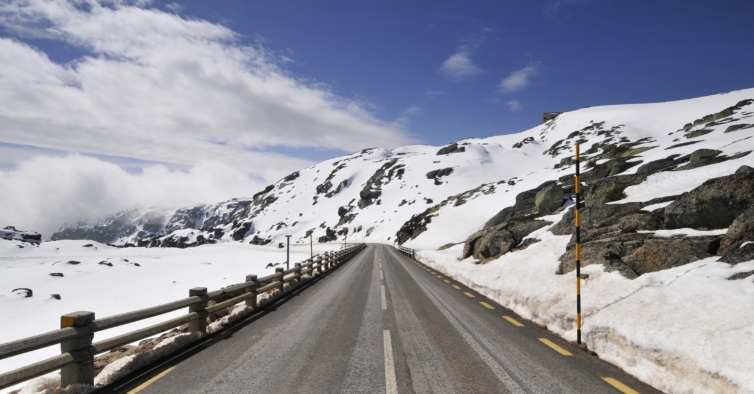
x=161 y=87
x=513 y=105
x=520 y=79
x=44 y=192
x=459 y=66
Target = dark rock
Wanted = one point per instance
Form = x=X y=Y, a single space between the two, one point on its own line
x=73 y=262
x=683 y=144
x=610 y=189
x=373 y=188
x=452 y=148
x=240 y=233
x=55 y=296
x=737 y=246
x=501 y=217
x=439 y=173
x=342 y=211
x=281 y=245
x=713 y=205
x=493 y=242
x=330 y=235
x=698 y=133
x=88 y=245
x=28 y=291
x=548 y=200
x=107 y=263
x=523 y=142
x=741 y=275
x=57 y=274
x=291 y=177
x=735 y=127
x=263 y=192
x=667 y=164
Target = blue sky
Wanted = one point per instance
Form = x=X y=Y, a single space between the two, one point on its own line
x=589 y=52
x=219 y=98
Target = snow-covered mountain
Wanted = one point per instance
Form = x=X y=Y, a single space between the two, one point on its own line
x=450 y=192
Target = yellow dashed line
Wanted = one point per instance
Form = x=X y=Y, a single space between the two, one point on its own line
x=457 y=288
x=447 y=281
x=486 y=305
x=513 y=321
x=150 y=381
x=468 y=294
x=555 y=347
x=434 y=273
x=620 y=386
x=439 y=276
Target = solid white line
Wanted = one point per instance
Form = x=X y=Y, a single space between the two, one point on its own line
x=381 y=277
x=391 y=385
x=384 y=300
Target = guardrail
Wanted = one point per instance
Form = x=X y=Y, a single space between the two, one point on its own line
x=410 y=253
x=76 y=333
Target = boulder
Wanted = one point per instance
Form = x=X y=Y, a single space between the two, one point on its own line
x=491 y=243
x=713 y=205
x=610 y=189
x=737 y=246
x=548 y=200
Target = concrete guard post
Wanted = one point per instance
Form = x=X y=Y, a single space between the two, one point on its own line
x=252 y=302
x=199 y=324
x=297 y=267
x=81 y=372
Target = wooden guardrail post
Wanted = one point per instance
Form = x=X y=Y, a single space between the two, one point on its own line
x=81 y=372
x=279 y=270
x=252 y=302
x=297 y=274
x=199 y=324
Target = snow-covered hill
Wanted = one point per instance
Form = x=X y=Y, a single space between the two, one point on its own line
x=373 y=193
x=668 y=228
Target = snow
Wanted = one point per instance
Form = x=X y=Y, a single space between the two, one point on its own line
x=650 y=208
x=163 y=275
x=683 y=330
x=686 y=329
x=689 y=232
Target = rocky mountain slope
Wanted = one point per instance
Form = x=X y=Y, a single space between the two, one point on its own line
x=489 y=193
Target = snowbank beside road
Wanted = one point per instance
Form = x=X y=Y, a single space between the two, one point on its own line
x=683 y=330
x=133 y=278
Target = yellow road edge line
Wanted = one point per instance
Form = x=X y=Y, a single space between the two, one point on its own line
x=447 y=281
x=150 y=381
x=486 y=305
x=468 y=294
x=457 y=288
x=555 y=347
x=620 y=386
x=513 y=321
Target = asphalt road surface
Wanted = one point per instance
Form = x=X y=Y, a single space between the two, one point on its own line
x=382 y=323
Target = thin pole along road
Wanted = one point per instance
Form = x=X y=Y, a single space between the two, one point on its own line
x=383 y=323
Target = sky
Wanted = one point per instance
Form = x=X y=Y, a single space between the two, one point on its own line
x=112 y=103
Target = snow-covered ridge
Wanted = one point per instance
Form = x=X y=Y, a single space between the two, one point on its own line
x=372 y=193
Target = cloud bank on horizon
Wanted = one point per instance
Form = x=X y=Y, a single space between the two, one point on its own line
x=157 y=87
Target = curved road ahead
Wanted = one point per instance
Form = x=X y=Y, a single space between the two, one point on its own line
x=383 y=323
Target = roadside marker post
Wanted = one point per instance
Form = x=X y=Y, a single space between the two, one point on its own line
x=288 y=253
x=311 y=247
x=578 y=249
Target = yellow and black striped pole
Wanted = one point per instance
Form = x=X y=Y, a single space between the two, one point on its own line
x=578 y=249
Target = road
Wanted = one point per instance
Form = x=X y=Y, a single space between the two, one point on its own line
x=383 y=323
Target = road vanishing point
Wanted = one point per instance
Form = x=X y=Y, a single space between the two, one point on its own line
x=383 y=323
